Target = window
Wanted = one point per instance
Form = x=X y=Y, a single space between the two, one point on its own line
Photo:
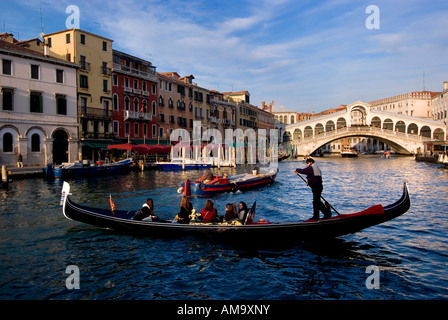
x=84 y=64
x=36 y=102
x=135 y=84
x=7 y=98
x=83 y=105
x=161 y=131
x=144 y=86
x=35 y=143
x=83 y=39
x=104 y=69
x=115 y=127
x=67 y=38
x=104 y=46
x=154 y=130
x=105 y=85
x=7 y=66
x=115 y=102
x=126 y=103
x=34 y=71
x=61 y=104
x=59 y=76
x=136 y=104
x=136 y=134
x=154 y=109
x=83 y=81
x=7 y=142
x=115 y=80
x=145 y=130
x=154 y=89
x=126 y=129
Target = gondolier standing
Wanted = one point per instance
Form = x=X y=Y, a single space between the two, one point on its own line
x=314 y=177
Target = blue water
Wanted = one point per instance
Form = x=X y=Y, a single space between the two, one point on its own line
x=37 y=243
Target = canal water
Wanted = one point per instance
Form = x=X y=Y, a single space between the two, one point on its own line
x=409 y=255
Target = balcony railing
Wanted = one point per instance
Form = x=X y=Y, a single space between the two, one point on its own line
x=85 y=66
x=97 y=135
x=148 y=75
x=134 y=115
x=95 y=112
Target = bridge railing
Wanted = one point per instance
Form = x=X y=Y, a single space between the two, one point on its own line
x=361 y=130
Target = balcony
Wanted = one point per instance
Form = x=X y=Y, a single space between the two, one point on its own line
x=90 y=112
x=84 y=66
x=147 y=75
x=106 y=71
x=134 y=115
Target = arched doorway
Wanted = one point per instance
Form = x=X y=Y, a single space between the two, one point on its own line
x=60 y=147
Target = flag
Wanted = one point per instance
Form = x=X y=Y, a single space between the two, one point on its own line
x=112 y=205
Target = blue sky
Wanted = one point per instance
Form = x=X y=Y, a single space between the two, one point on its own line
x=305 y=55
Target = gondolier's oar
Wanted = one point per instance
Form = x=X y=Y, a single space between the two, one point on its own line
x=320 y=196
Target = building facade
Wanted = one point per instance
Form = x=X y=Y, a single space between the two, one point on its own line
x=134 y=99
x=93 y=53
x=440 y=105
x=222 y=112
x=181 y=102
x=414 y=104
x=38 y=114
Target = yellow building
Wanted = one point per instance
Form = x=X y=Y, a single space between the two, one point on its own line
x=94 y=55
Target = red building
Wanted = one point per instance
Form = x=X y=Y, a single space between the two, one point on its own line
x=134 y=99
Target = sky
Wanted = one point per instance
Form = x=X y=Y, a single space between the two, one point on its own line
x=305 y=55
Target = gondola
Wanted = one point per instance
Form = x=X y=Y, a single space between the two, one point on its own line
x=248 y=232
x=224 y=183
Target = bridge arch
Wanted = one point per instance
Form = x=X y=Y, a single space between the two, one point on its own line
x=405 y=132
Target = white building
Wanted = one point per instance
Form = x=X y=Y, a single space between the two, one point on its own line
x=414 y=104
x=440 y=105
x=38 y=113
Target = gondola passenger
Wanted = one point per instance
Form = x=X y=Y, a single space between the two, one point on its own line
x=186 y=209
x=146 y=211
x=209 y=212
x=242 y=210
x=231 y=212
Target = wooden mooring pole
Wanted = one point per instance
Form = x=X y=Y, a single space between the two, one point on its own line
x=4 y=177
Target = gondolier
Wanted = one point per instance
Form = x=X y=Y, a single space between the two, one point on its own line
x=314 y=177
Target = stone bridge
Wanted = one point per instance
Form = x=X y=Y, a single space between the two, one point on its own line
x=405 y=134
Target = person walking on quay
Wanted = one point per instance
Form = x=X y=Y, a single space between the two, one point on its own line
x=314 y=177
x=19 y=161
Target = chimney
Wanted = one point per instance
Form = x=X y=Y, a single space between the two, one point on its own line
x=445 y=86
x=46 y=50
x=262 y=105
x=270 y=107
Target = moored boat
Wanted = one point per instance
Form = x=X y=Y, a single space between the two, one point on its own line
x=178 y=164
x=224 y=183
x=81 y=169
x=246 y=232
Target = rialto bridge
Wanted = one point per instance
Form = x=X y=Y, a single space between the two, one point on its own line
x=405 y=134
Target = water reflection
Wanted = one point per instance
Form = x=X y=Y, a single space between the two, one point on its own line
x=37 y=242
